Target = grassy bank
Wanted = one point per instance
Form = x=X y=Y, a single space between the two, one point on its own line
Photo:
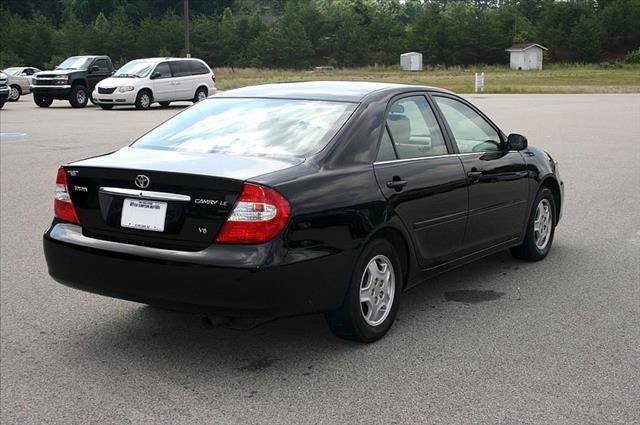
x=553 y=79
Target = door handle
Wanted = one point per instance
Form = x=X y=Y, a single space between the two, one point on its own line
x=396 y=183
x=474 y=176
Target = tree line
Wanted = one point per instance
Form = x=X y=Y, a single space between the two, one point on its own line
x=302 y=33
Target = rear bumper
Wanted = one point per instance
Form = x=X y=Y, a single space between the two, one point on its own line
x=196 y=281
x=4 y=94
x=55 y=92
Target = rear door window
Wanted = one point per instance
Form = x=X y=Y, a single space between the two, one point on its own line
x=386 y=152
x=180 y=68
x=414 y=130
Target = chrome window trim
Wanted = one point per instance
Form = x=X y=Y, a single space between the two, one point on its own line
x=420 y=158
x=146 y=194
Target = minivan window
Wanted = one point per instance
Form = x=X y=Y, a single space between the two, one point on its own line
x=136 y=68
x=197 y=67
x=250 y=126
x=163 y=69
x=180 y=68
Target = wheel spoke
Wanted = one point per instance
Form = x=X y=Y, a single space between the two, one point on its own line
x=373 y=312
x=374 y=272
x=365 y=295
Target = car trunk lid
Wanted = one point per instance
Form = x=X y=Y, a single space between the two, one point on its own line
x=167 y=200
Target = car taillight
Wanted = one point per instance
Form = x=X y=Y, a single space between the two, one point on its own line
x=62 y=204
x=213 y=77
x=258 y=215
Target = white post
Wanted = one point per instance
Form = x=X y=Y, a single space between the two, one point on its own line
x=479 y=82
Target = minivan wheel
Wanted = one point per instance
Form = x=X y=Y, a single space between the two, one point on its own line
x=41 y=101
x=15 y=93
x=78 y=97
x=201 y=94
x=372 y=300
x=143 y=100
x=540 y=228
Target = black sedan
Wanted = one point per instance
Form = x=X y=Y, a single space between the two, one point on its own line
x=285 y=199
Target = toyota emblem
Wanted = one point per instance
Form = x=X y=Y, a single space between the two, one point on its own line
x=142 y=181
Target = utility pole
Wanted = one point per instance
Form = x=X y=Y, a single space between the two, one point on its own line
x=185 y=13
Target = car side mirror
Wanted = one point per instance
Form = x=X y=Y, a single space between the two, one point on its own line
x=94 y=68
x=155 y=75
x=516 y=142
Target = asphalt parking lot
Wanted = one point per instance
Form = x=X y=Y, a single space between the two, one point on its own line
x=557 y=342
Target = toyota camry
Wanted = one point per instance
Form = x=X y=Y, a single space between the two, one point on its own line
x=284 y=199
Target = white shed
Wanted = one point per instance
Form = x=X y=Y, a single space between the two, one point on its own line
x=526 y=56
x=411 y=61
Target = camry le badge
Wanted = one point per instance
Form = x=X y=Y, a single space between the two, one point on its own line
x=142 y=181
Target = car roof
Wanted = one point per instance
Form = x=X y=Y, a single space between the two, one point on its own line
x=160 y=59
x=342 y=91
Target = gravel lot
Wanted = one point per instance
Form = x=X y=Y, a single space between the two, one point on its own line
x=563 y=348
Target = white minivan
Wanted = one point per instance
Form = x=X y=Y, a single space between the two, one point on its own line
x=142 y=82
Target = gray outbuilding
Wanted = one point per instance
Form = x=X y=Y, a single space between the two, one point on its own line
x=411 y=61
x=526 y=56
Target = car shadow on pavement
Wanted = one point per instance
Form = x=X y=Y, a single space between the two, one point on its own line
x=147 y=337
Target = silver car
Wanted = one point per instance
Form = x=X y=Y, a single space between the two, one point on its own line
x=4 y=90
x=19 y=80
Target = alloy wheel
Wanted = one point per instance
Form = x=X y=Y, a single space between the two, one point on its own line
x=542 y=224
x=14 y=94
x=377 y=290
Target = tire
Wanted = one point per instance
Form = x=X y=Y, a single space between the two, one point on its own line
x=15 y=93
x=78 y=97
x=355 y=319
x=105 y=106
x=1 y=105
x=201 y=94
x=41 y=101
x=540 y=228
x=165 y=104
x=144 y=99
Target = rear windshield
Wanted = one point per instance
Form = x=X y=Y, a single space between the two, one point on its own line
x=281 y=127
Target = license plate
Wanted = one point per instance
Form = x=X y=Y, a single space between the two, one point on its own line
x=143 y=214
